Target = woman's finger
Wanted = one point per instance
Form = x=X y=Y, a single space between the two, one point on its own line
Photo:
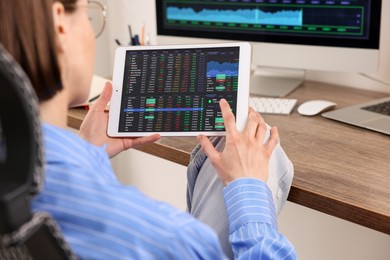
x=261 y=130
x=252 y=124
x=134 y=142
x=272 y=141
x=228 y=117
x=208 y=148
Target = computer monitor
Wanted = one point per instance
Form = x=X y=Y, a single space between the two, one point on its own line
x=288 y=36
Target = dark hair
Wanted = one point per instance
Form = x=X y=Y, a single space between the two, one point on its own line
x=27 y=33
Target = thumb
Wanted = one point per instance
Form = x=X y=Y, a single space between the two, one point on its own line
x=105 y=96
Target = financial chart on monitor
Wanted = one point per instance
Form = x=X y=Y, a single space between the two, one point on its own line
x=320 y=19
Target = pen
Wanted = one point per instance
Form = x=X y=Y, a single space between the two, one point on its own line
x=94 y=98
x=131 y=35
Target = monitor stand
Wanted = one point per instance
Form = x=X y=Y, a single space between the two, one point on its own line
x=275 y=82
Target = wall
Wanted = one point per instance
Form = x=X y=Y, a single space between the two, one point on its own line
x=315 y=235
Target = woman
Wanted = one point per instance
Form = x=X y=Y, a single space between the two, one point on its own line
x=99 y=217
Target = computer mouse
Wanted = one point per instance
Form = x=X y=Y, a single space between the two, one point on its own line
x=314 y=107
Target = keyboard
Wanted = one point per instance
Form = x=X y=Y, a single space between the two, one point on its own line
x=381 y=108
x=269 y=105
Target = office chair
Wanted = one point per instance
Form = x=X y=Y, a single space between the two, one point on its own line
x=23 y=234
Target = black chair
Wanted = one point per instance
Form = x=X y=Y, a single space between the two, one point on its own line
x=23 y=234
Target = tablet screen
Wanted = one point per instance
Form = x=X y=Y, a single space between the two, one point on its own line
x=172 y=90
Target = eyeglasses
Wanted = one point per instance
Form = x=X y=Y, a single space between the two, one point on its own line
x=97 y=14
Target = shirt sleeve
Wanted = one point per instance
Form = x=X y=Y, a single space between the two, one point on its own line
x=252 y=222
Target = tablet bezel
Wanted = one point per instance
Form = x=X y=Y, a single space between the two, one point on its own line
x=242 y=90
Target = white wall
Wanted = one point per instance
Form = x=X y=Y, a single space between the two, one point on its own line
x=323 y=237
x=315 y=235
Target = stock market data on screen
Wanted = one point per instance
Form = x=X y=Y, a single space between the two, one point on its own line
x=269 y=19
x=178 y=89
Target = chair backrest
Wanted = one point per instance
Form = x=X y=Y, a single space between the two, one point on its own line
x=23 y=234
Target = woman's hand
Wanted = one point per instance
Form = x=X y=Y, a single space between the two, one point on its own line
x=244 y=155
x=94 y=128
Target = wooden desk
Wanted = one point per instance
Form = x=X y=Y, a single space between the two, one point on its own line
x=340 y=169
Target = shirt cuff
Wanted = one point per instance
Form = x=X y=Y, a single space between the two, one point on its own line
x=249 y=200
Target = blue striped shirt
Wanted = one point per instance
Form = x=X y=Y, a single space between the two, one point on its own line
x=103 y=219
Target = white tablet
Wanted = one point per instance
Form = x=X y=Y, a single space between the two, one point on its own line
x=175 y=90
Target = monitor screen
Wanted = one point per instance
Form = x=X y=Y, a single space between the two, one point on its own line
x=332 y=35
x=329 y=23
